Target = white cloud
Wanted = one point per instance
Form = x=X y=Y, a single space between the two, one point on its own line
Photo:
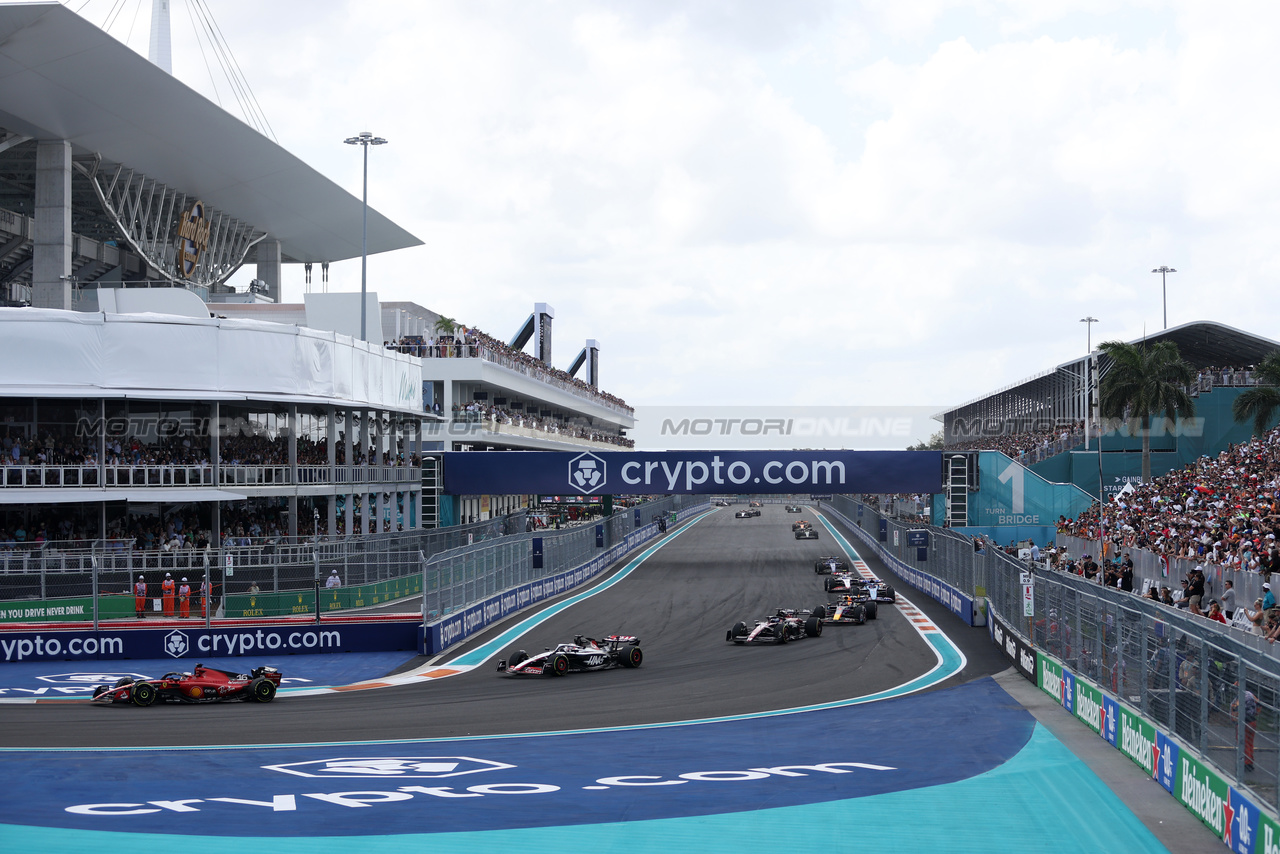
x=818 y=203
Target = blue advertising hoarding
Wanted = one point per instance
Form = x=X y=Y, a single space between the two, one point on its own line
x=690 y=472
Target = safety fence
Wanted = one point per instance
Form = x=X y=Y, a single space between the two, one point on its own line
x=462 y=577
x=1153 y=681
x=60 y=584
x=1153 y=569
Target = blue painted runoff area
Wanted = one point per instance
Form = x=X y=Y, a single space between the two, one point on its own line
x=970 y=771
x=70 y=679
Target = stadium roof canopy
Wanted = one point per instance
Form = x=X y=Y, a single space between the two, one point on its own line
x=1058 y=393
x=62 y=78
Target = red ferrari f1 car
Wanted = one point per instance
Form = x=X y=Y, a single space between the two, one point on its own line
x=202 y=685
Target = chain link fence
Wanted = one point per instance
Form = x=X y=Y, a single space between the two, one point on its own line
x=49 y=581
x=462 y=577
x=1186 y=675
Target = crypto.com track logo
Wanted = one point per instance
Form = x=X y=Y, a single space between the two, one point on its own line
x=401 y=767
x=587 y=473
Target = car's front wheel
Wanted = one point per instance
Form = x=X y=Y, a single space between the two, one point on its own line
x=143 y=694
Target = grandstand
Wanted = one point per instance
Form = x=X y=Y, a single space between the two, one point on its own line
x=125 y=192
x=1040 y=423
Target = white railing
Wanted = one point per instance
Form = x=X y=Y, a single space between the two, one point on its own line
x=17 y=476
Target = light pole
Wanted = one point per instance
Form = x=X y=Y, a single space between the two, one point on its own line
x=364 y=140
x=1164 y=291
x=1088 y=410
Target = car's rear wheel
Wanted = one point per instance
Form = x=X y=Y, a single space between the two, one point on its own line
x=559 y=664
x=143 y=694
x=813 y=627
x=820 y=612
x=263 y=690
x=871 y=609
x=632 y=657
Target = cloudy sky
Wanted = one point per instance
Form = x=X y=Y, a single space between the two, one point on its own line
x=888 y=202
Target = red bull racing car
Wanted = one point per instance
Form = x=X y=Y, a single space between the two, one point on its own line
x=787 y=624
x=202 y=685
x=847 y=610
x=582 y=655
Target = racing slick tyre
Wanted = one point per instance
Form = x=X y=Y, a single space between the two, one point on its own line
x=781 y=636
x=517 y=658
x=820 y=612
x=813 y=626
x=143 y=694
x=826 y=584
x=124 y=680
x=870 y=607
x=737 y=633
x=632 y=657
x=559 y=664
x=263 y=690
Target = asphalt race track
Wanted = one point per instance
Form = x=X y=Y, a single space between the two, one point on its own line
x=480 y=761
x=679 y=602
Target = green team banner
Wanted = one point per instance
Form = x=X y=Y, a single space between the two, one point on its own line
x=1089 y=705
x=1137 y=740
x=71 y=610
x=117 y=606
x=331 y=599
x=1204 y=793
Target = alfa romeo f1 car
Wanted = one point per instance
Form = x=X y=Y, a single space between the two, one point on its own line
x=830 y=565
x=202 y=685
x=847 y=610
x=875 y=589
x=806 y=534
x=581 y=655
x=786 y=625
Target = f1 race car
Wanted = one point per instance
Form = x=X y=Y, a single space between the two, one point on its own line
x=581 y=655
x=830 y=565
x=787 y=624
x=801 y=523
x=202 y=685
x=794 y=508
x=745 y=514
x=755 y=504
x=847 y=610
x=720 y=502
x=876 y=590
x=806 y=534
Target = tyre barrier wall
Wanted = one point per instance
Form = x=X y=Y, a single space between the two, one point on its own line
x=957 y=601
x=196 y=642
x=441 y=634
x=1235 y=816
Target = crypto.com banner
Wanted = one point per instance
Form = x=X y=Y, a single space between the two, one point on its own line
x=690 y=472
x=755 y=428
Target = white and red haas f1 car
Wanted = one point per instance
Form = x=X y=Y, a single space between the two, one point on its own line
x=787 y=624
x=582 y=655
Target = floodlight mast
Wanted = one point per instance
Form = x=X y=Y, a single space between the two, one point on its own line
x=364 y=140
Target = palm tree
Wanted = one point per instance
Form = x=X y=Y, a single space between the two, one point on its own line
x=1146 y=380
x=446 y=326
x=1260 y=403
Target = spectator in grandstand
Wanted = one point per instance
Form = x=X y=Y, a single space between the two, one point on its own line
x=1215 y=612
x=1256 y=615
x=1229 y=599
x=1268 y=598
